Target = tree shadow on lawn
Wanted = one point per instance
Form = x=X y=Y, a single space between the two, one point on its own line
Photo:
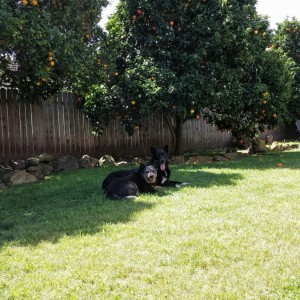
x=73 y=203
x=197 y=176
x=69 y=204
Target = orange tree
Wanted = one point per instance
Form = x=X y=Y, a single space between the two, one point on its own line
x=47 y=45
x=287 y=39
x=191 y=59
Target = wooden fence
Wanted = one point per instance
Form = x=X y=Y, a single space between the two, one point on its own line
x=56 y=126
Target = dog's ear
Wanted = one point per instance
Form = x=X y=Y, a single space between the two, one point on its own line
x=153 y=151
x=166 y=148
x=142 y=167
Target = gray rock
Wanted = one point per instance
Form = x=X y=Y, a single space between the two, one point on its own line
x=40 y=171
x=87 y=162
x=231 y=155
x=45 y=169
x=66 y=162
x=179 y=159
x=219 y=158
x=46 y=158
x=19 y=164
x=107 y=161
x=259 y=146
x=32 y=162
x=18 y=177
x=2 y=186
x=199 y=159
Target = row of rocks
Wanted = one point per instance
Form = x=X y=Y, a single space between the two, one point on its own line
x=207 y=158
x=36 y=168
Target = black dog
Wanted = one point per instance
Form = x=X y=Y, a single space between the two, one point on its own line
x=132 y=185
x=159 y=159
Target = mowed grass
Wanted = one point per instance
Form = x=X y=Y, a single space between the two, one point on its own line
x=233 y=233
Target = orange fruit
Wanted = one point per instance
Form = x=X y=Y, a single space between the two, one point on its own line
x=50 y=53
x=133 y=102
x=34 y=2
x=192 y=111
x=24 y=2
x=50 y=58
x=38 y=83
x=133 y=17
x=197 y=117
x=52 y=63
x=279 y=165
x=139 y=11
x=171 y=23
x=274 y=116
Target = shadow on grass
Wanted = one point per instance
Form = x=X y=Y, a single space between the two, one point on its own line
x=73 y=203
x=197 y=177
x=69 y=203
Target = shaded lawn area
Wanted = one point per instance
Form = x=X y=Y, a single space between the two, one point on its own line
x=233 y=233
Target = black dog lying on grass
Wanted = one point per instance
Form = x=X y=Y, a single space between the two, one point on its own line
x=158 y=159
x=133 y=184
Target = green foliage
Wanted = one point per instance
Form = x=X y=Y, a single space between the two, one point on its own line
x=193 y=59
x=287 y=38
x=54 y=44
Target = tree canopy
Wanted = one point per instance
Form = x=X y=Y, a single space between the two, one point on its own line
x=47 y=45
x=287 y=39
x=192 y=59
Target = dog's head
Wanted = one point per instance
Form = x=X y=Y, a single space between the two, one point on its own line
x=149 y=173
x=159 y=158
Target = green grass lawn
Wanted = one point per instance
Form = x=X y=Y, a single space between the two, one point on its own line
x=233 y=233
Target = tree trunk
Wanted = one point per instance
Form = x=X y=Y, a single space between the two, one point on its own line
x=176 y=131
x=178 y=135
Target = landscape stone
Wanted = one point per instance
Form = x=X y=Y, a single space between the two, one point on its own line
x=107 y=161
x=66 y=162
x=40 y=171
x=87 y=162
x=199 y=159
x=259 y=146
x=179 y=159
x=2 y=186
x=18 y=164
x=32 y=161
x=219 y=158
x=46 y=158
x=17 y=177
x=231 y=155
x=45 y=169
